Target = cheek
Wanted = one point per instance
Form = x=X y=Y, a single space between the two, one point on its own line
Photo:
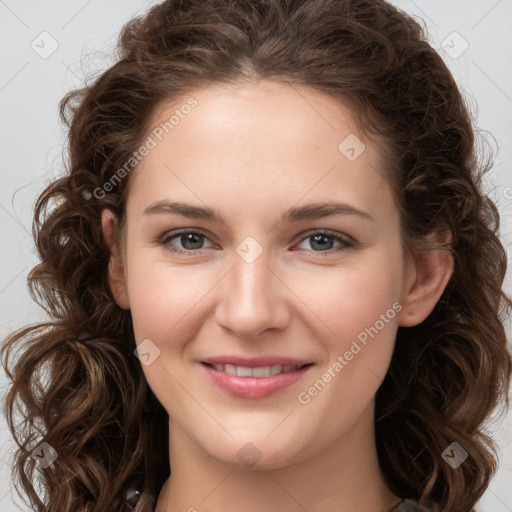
x=161 y=296
x=162 y=302
x=150 y=307
x=348 y=301
x=360 y=308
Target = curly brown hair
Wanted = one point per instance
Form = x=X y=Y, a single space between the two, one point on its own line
x=76 y=381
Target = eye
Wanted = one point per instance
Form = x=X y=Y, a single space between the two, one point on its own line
x=322 y=241
x=190 y=240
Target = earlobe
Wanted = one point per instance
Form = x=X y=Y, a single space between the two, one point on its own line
x=432 y=272
x=116 y=277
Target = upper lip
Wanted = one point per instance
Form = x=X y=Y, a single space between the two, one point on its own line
x=255 y=362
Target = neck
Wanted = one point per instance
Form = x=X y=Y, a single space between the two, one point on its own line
x=344 y=477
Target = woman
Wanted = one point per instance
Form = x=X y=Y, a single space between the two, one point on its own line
x=273 y=278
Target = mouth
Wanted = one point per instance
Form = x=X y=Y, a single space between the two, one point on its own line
x=253 y=382
x=258 y=371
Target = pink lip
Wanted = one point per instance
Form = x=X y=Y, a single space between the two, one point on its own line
x=253 y=387
x=254 y=362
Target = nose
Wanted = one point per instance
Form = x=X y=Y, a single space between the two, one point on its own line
x=253 y=298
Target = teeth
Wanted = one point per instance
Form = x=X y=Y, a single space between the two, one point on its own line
x=260 y=371
x=263 y=371
x=276 y=369
x=243 y=371
x=228 y=368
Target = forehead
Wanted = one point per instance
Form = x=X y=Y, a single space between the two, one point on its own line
x=255 y=139
x=259 y=109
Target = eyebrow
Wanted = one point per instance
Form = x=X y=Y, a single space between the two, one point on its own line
x=294 y=214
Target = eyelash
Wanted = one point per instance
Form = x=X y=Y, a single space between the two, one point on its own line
x=165 y=242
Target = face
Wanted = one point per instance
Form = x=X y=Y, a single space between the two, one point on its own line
x=263 y=286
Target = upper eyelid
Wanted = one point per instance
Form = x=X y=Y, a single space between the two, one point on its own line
x=169 y=235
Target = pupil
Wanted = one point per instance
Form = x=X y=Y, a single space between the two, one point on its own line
x=316 y=238
x=189 y=238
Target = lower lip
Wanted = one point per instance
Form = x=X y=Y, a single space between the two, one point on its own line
x=253 y=387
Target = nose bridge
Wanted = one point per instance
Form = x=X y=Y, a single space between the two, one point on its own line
x=252 y=299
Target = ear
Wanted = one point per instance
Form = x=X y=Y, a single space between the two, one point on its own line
x=426 y=280
x=116 y=277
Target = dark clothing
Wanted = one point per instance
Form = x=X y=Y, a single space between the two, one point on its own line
x=407 y=505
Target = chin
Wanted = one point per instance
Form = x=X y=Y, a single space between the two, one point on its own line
x=257 y=452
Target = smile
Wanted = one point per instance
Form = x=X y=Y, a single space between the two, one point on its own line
x=253 y=382
x=260 y=371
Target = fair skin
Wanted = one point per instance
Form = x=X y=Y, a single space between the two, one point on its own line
x=251 y=152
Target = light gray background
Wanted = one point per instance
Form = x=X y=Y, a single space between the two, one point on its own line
x=32 y=82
